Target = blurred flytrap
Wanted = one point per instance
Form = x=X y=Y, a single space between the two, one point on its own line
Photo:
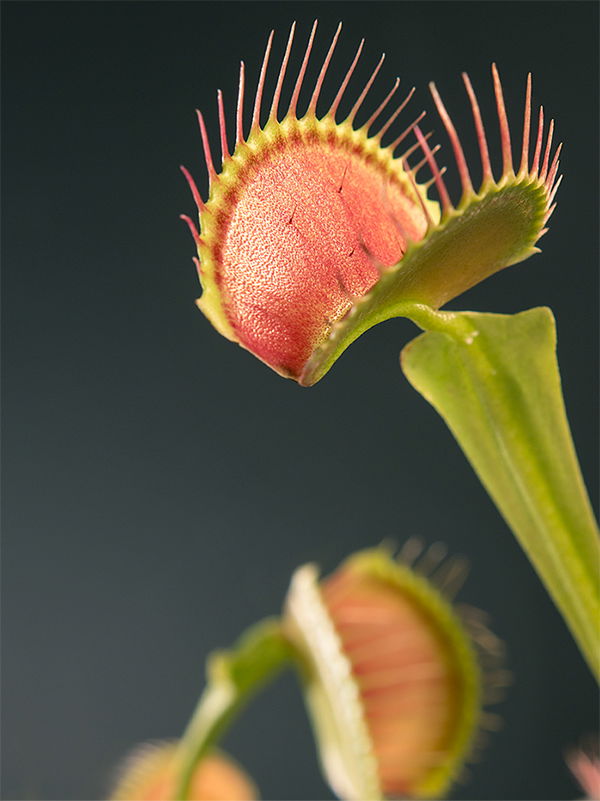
x=314 y=231
x=391 y=677
x=585 y=766
x=394 y=679
x=151 y=771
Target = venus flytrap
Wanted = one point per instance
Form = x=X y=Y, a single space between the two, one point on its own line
x=393 y=676
x=300 y=217
x=585 y=766
x=314 y=231
x=150 y=773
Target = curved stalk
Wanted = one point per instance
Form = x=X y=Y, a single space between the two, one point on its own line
x=233 y=677
x=495 y=381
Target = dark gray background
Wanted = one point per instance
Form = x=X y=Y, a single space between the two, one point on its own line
x=160 y=484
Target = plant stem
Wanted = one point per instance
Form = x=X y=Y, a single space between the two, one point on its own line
x=233 y=678
x=495 y=381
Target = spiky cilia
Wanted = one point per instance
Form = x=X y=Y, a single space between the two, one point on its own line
x=314 y=231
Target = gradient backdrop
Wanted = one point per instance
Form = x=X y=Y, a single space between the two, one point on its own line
x=160 y=484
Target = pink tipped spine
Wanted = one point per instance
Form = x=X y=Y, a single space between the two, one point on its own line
x=486 y=167
x=544 y=170
x=507 y=165
x=554 y=190
x=523 y=167
x=393 y=145
x=239 y=117
x=194 y=189
x=206 y=147
x=193 y=230
x=553 y=168
x=365 y=91
x=282 y=71
x=538 y=144
x=428 y=184
x=222 y=127
x=312 y=106
x=549 y=213
x=447 y=206
x=420 y=164
x=384 y=128
x=382 y=105
x=409 y=151
x=300 y=79
x=261 y=84
x=342 y=89
x=463 y=170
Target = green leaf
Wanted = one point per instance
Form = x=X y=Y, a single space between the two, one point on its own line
x=495 y=381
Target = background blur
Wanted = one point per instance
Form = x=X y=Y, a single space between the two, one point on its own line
x=160 y=484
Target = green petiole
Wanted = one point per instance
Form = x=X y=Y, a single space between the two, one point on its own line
x=233 y=677
x=495 y=381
